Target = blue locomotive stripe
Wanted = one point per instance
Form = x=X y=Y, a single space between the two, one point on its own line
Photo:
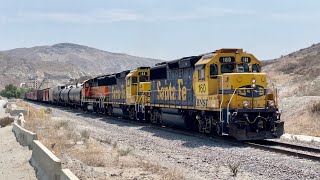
x=257 y=91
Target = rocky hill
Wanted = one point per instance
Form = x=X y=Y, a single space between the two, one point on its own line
x=297 y=76
x=62 y=62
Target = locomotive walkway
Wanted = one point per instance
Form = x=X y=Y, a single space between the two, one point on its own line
x=14 y=158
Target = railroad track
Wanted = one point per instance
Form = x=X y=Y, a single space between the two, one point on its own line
x=288 y=149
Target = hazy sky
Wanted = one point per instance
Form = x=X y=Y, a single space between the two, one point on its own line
x=165 y=29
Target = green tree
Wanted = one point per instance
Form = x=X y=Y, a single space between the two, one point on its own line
x=11 y=91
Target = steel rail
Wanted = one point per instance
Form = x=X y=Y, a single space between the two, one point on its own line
x=288 y=149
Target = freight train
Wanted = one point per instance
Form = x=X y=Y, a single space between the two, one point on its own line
x=223 y=92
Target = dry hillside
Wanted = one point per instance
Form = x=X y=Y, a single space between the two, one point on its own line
x=297 y=76
x=61 y=62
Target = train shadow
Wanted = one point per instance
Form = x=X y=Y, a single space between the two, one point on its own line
x=185 y=138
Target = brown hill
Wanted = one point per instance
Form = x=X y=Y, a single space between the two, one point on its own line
x=61 y=62
x=297 y=76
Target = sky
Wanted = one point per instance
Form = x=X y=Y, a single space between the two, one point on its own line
x=163 y=29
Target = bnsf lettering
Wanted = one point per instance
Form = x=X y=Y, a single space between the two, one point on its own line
x=202 y=102
x=169 y=92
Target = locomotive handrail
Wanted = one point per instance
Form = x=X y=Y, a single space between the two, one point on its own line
x=222 y=99
x=229 y=104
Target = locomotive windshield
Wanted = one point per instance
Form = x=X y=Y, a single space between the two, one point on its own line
x=237 y=68
x=243 y=68
x=227 y=68
x=255 y=68
x=144 y=78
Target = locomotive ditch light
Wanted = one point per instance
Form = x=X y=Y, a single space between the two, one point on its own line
x=271 y=104
x=245 y=104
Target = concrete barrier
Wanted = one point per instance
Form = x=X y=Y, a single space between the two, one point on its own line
x=46 y=164
x=17 y=111
x=24 y=137
x=66 y=174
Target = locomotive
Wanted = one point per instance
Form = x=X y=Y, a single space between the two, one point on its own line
x=223 y=92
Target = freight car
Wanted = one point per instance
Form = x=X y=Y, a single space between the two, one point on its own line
x=222 y=92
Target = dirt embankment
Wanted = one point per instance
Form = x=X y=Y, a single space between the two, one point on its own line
x=297 y=76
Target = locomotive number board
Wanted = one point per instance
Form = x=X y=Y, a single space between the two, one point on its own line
x=227 y=59
x=245 y=59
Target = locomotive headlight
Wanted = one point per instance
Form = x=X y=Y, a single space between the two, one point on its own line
x=253 y=81
x=245 y=104
x=271 y=104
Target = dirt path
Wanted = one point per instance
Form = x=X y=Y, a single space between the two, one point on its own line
x=14 y=158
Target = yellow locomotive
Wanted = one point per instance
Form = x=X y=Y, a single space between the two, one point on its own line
x=223 y=92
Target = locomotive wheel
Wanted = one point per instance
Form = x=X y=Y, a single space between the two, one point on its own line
x=110 y=111
x=132 y=114
x=153 y=118
x=218 y=129
x=200 y=126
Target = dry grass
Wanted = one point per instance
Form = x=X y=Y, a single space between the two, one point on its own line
x=61 y=124
x=173 y=174
x=147 y=166
x=124 y=152
x=65 y=140
x=85 y=134
x=35 y=113
x=234 y=169
x=303 y=125
x=92 y=154
x=6 y=121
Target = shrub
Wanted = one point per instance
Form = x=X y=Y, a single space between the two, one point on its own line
x=11 y=91
x=315 y=108
x=234 y=169
x=124 y=152
x=85 y=134
x=48 y=111
x=61 y=124
x=6 y=121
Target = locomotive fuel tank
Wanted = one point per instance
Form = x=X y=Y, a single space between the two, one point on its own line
x=176 y=118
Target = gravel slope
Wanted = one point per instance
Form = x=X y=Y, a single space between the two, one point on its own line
x=198 y=158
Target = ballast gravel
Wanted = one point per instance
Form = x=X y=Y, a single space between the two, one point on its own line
x=197 y=158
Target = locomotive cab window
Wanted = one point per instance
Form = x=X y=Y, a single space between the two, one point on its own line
x=213 y=71
x=227 y=68
x=134 y=80
x=242 y=68
x=201 y=74
x=255 y=68
x=144 y=79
